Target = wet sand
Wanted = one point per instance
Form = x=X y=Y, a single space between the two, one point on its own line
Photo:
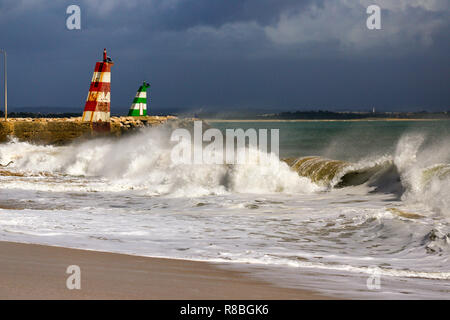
x=29 y=271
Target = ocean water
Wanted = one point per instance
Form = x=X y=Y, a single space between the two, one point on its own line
x=349 y=203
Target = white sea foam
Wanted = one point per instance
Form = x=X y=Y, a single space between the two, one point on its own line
x=126 y=195
x=143 y=161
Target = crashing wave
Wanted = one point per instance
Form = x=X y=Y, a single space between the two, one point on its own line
x=424 y=171
x=143 y=162
x=402 y=175
x=337 y=173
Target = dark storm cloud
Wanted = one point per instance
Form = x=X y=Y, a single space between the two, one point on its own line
x=184 y=14
x=192 y=13
x=266 y=54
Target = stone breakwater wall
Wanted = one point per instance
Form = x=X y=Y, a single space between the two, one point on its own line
x=64 y=130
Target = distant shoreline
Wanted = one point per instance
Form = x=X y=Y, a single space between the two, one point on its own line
x=318 y=120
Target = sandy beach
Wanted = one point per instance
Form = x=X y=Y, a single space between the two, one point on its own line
x=29 y=271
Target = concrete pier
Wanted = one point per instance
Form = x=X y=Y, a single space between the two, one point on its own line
x=61 y=131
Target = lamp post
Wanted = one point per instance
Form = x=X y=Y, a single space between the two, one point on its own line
x=5 y=85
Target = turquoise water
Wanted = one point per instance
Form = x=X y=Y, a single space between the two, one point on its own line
x=343 y=140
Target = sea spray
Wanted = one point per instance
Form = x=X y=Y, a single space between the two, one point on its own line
x=426 y=180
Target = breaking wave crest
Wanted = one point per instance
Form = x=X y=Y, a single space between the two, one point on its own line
x=336 y=173
x=425 y=172
x=143 y=162
x=416 y=172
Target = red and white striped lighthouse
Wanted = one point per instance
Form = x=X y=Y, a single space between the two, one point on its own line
x=97 y=108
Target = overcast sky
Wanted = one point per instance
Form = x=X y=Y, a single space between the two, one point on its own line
x=232 y=54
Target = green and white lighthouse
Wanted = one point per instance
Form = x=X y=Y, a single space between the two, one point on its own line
x=139 y=106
